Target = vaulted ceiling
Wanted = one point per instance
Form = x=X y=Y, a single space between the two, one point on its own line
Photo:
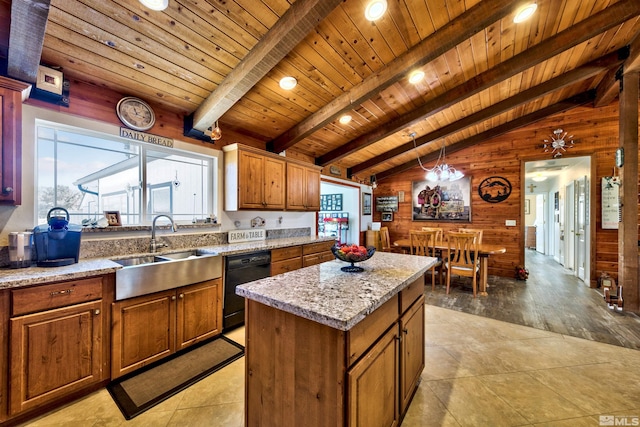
x=222 y=60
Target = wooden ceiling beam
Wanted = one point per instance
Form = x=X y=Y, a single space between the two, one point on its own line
x=296 y=23
x=609 y=87
x=26 y=38
x=598 y=66
x=455 y=32
x=596 y=24
x=565 y=105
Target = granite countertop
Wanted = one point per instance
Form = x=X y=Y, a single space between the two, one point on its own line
x=13 y=278
x=327 y=295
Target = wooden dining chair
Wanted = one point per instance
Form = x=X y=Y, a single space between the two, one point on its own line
x=477 y=231
x=439 y=233
x=462 y=258
x=385 y=241
x=424 y=243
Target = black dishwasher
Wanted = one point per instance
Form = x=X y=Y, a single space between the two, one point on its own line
x=241 y=269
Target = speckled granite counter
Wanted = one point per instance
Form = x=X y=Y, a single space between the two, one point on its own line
x=12 y=278
x=327 y=295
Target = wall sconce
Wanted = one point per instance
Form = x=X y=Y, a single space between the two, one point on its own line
x=374 y=181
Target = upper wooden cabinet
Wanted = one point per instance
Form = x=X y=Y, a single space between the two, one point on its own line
x=303 y=187
x=12 y=94
x=253 y=180
x=256 y=179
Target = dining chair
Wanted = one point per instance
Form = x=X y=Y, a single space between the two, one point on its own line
x=462 y=258
x=424 y=243
x=439 y=232
x=477 y=231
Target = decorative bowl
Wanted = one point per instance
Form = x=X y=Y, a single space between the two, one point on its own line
x=352 y=254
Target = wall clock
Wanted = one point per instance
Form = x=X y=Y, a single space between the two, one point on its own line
x=135 y=113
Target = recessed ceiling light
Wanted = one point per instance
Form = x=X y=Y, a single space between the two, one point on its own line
x=345 y=119
x=416 y=77
x=288 y=83
x=155 y=4
x=375 y=9
x=525 y=12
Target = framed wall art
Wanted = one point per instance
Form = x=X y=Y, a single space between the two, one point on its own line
x=386 y=216
x=113 y=217
x=442 y=200
x=366 y=203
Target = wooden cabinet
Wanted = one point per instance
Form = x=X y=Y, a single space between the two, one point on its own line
x=286 y=259
x=12 y=94
x=316 y=253
x=530 y=237
x=253 y=179
x=151 y=327
x=365 y=376
x=303 y=187
x=57 y=341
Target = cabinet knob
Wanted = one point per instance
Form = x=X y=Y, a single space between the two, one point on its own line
x=96 y=312
x=181 y=296
x=173 y=298
x=405 y=331
x=7 y=189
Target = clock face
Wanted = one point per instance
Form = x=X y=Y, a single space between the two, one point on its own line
x=135 y=113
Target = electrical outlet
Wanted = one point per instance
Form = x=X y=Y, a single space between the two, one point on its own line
x=510 y=223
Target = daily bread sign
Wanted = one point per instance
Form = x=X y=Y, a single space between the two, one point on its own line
x=238 y=236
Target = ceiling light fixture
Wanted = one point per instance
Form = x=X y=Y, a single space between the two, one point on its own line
x=288 y=83
x=538 y=177
x=345 y=119
x=558 y=143
x=416 y=77
x=216 y=132
x=441 y=171
x=525 y=12
x=155 y=4
x=375 y=9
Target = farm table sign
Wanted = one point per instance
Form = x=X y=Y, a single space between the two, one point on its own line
x=442 y=200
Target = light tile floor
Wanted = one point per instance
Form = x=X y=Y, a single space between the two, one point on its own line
x=479 y=372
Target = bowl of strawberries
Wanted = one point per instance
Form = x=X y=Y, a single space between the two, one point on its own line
x=352 y=253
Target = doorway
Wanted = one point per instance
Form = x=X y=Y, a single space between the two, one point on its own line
x=339 y=214
x=557 y=195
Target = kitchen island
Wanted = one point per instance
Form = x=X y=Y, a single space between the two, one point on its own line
x=330 y=348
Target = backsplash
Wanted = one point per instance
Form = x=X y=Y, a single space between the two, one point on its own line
x=103 y=248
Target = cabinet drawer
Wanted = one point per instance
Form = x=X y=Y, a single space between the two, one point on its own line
x=318 y=258
x=286 y=253
x=312 y=248
x=280 y=267
x=411 y=293
x=364 y=334
x=45 y=297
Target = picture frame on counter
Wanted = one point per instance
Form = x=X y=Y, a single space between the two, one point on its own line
x=113 y=217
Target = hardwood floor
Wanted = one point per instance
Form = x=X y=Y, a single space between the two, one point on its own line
x=552 y=299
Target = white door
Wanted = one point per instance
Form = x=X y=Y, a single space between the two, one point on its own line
x=541 y=229
x=561 y=229
x=569 y=227
x=581 y=227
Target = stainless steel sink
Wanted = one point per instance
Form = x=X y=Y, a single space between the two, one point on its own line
x=128 y=262
x=154 y=273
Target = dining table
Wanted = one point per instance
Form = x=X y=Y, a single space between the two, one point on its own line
x=484 y=251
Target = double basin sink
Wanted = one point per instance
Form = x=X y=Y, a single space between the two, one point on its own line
x=154 y=273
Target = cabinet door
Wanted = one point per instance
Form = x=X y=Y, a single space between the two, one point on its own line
x=412 y=351
x=199 y=312
x=295 y=187
x=143 y=331
x=10 y=143
x=373 y=385
x=274 y=190
x=250 y=180
x=54 y=353
x=312 y=190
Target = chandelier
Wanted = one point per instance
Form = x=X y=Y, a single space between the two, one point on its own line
x=558 y=143
x=441 y=171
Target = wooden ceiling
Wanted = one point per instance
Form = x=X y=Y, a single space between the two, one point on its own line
x=214 y=59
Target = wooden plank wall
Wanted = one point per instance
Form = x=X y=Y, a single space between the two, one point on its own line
x=596 y=131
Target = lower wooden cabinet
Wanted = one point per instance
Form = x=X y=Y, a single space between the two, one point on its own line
x=286 y=259
x=412 y=344
x=57 y=341
x=317 y=253
x=151 y=327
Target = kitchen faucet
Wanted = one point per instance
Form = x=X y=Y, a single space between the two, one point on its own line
x=154 y=245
